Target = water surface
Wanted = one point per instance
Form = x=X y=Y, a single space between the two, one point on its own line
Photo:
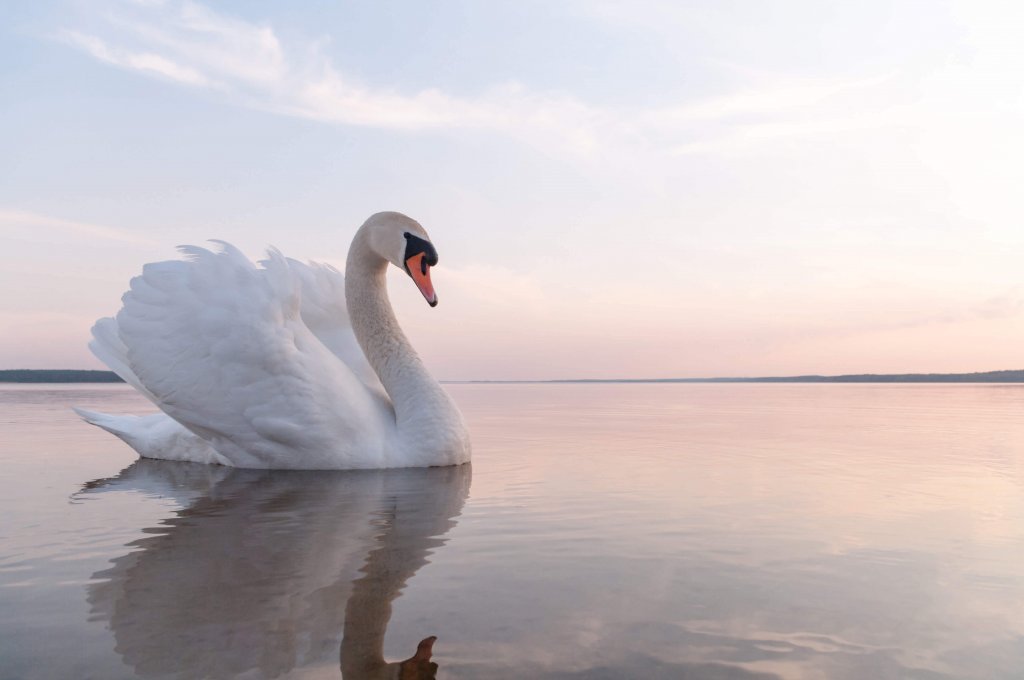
x=710 y=532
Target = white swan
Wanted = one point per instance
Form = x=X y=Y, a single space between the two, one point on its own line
x=282 y=365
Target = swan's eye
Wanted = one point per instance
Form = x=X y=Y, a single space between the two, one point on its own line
x=414 y=245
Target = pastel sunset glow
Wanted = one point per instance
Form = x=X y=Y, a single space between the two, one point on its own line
x=641 y=189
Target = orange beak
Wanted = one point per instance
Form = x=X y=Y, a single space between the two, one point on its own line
x=419 y=270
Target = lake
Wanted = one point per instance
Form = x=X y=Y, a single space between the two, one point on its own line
x=697 y=531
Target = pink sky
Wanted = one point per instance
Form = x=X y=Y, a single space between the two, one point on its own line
x=823 y=190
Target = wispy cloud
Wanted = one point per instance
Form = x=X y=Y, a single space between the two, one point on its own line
x=139 y=61
x=196 y=46
x=1006 y=304
x=21 y=218
x=775 y=98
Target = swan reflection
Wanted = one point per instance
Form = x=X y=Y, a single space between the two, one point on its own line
x=262 y=572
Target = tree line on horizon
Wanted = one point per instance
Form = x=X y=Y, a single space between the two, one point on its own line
x=31 y=375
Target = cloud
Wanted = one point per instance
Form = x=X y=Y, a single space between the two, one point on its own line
x=138 y=61
x=196 y=46
x=774 y=98
x=1007 y=304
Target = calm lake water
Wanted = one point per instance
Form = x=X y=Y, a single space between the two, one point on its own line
x=708 y=532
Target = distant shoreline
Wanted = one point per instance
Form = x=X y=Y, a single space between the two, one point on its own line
x=31 y=375
x=1014 y=376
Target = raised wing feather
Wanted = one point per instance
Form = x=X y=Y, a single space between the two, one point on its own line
x=324 y=312
x=221 y=346
x=108 y=347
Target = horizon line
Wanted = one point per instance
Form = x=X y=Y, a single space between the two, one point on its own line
x=809 y=377
x=1002 y=375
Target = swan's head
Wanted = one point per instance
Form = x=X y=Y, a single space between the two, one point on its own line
x=404 y=243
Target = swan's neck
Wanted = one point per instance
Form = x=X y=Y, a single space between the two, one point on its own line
x=420 y=402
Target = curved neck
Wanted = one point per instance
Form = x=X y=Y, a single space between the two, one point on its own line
x=412 y=389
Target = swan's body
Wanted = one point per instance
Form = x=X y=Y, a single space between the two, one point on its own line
x=283 y=365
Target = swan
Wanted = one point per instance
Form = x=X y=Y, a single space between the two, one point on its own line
x=281 y=365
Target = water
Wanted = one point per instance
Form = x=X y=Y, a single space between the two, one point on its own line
x=711 y=532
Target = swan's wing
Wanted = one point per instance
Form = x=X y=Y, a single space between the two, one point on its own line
x=108 y=347
x=324 y=312
x=220 y=346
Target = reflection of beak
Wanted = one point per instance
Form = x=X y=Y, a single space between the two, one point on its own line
x=419 y=667
x=425 y=648
x=419 y=270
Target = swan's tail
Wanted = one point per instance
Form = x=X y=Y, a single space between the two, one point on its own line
x=120 y=426
x=155 y=436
